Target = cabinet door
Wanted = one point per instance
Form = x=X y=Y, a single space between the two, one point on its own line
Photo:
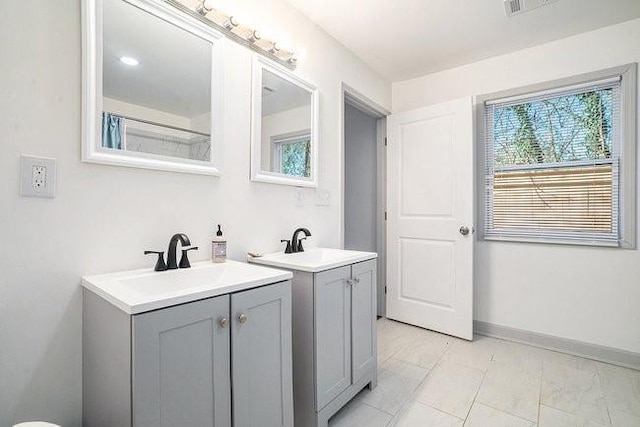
x=181 y=366
x=332 y=297
x=262 y=360
x=363 y=319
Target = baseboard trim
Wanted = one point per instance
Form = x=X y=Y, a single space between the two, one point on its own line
x=601 y=353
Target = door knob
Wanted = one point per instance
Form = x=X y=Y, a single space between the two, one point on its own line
x=464 y=230
x=223 y=322
x=243 y=318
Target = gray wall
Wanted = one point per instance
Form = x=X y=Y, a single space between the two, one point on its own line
x=360 y=180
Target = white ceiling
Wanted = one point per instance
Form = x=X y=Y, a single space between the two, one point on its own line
x=280 y=95
x=174 y=75
x=402 y=39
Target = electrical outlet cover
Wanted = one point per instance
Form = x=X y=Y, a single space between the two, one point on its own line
x=38 y=176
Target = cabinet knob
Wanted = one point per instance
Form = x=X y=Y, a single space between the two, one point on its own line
x=224 y=322
x=350 y=282
x=243 y=318
x=356 y=279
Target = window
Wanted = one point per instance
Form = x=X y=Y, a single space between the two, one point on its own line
x=559 y=163
x=292 y=154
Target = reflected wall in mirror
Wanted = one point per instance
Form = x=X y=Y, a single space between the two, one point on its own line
x=284 y=143
x=155 y=99
x=156 y=88
x=286 y=127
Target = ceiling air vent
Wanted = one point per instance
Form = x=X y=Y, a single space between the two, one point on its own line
x=516 y=7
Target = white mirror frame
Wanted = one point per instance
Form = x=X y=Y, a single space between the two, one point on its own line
x=257 y=174
x=92 y=151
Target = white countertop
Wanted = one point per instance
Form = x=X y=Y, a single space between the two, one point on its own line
x=313 y=260
x=143 y=290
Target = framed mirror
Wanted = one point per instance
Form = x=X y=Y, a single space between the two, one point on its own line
x=151 y=87
x=284 y=137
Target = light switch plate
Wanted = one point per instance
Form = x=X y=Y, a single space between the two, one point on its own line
x=323 y=197
x=37 y=176
x=299 y=197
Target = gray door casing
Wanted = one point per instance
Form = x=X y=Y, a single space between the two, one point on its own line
x=365 y=187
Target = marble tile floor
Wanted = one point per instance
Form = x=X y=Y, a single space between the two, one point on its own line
x=426 y=379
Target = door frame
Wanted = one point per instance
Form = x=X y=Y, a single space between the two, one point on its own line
x=349 y=95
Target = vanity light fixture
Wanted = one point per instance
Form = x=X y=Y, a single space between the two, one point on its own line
x=204 y=7
x=127 y=60
x=230 y=23
x=227 y=24
x=274 y=48
x=254 y=37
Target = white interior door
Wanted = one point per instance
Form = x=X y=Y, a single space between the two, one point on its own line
x=430 y=204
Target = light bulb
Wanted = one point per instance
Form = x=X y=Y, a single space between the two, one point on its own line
x=204 y=7
x=133 y=62
x=230 y=23
x=275 y=47
x=254 y=37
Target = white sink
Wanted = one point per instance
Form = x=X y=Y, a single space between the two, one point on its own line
x=138 y=291
x=313 y=260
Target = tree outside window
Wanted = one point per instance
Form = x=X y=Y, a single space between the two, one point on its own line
x=552 y=166
x=292 y=155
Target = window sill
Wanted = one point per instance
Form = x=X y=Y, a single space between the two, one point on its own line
x=557 y=241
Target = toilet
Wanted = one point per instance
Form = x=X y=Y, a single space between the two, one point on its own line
x=36 y=424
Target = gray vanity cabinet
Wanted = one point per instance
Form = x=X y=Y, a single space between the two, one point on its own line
x=181 y=365
x=334 y=336
x=332 y=296
x=190 y=365
x=262 y=359
x=363 y=333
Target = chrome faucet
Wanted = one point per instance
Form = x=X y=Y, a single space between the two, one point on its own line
x=296 y=244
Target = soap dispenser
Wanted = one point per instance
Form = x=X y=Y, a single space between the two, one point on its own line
x=219 y=247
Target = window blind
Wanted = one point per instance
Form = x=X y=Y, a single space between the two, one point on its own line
x=552 y=165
